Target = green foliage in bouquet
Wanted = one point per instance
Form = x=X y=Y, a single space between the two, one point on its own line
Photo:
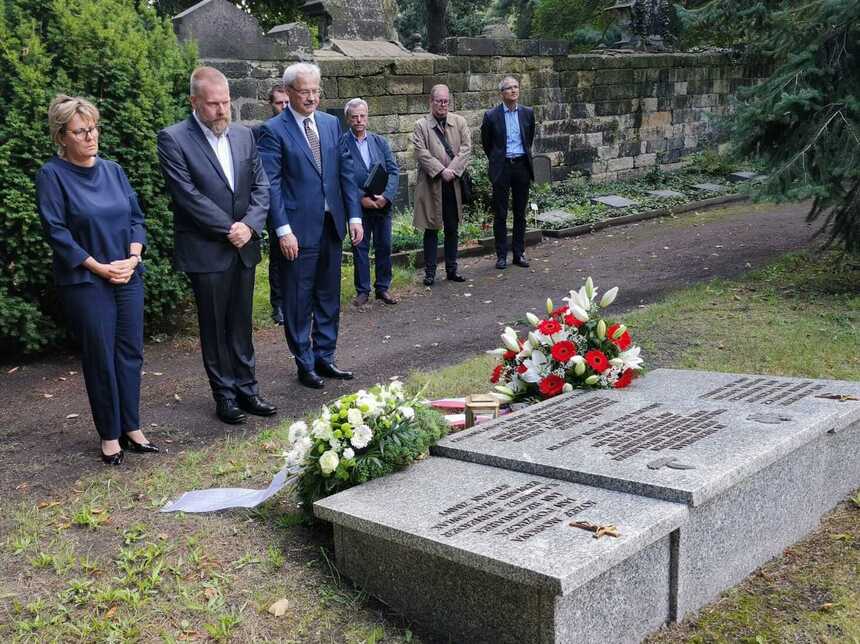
x=359 y=437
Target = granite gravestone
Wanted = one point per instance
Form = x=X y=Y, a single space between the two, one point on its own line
x=542 y=167
x=742 y=465
x=481 y=554
x=615 y=201
x=556 y=218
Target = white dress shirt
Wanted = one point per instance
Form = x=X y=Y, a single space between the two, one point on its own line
x=286 y=229
x=221 y=147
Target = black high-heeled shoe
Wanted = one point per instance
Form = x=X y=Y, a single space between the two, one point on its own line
x=138 y=448
x=113 y=459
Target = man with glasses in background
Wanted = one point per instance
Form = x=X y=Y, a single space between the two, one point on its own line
x=507 y=133
x=314 y=201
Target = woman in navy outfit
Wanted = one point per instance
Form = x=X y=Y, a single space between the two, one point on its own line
x=95 y=227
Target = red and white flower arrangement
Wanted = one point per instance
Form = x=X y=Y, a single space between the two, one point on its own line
x=573 y=347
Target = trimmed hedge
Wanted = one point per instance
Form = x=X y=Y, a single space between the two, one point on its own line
x=125 y=59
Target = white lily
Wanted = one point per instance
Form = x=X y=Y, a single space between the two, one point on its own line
x=536 y=367
x=534 y=339
x=532 y=318
x=619 y=331
x=579 y=313
x=616 y=362
x=510 y=342
x=609 y=297
x=497 y=352
x=592 y=380
x=567 y=388
x=601 y=329
x=589 y=287
x=506 y=391
x=549 y=306
x=630 y=358
x=502 y=398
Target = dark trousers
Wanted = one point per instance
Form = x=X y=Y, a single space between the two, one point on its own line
x=107 y=320
x=311 y=287
x=377 y=231
x=224 y=311
x=450 y=227
x=514 y=179
x=276 y=261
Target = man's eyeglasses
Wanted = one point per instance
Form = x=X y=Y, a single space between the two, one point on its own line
x=507 y=87
x=83 y=133
x=307 y=93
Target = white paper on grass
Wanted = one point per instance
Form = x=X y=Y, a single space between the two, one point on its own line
x=224 y=498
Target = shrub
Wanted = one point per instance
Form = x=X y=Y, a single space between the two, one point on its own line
x=127 y=60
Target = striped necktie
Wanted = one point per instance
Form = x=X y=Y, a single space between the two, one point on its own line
x=314 y=143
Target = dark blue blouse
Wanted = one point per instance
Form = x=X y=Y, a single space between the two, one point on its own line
x=87 y=212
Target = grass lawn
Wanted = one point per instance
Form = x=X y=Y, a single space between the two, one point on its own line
x=99 y=563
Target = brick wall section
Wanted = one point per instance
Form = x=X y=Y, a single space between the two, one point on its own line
x=610 y=116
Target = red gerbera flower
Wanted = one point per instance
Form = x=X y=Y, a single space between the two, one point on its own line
x=570 y=320
x=522 y=368
x=549 y=327
x=597 y=360
x=497 y=373
x=509 y=355
x=563 y=351
x=551 y=385
x=557 y=313
x=622 y=342
x=625 y=379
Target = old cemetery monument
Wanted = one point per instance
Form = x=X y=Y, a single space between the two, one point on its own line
x=600 y=515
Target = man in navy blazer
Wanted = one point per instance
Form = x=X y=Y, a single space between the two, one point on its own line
x=507 y=133
x=314 y=199
x=366 y=150
x=220 y=197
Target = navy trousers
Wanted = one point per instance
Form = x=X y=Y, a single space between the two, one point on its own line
x=107 y=321
x=276 y=259
x=450 y=227
x=225 y=302
x=515 y=179
x=311 y=288
x=377 y=230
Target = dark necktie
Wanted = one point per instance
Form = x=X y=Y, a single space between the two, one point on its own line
x=314 y=143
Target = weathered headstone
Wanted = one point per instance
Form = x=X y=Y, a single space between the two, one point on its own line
x=615 y=201
x=666 y=194
x=542 y=168
x=709 y=187
x=222 y=30
x=738 y=177
x=736 y=461
x=344 y=20
x=555 y=218
x=481 y=554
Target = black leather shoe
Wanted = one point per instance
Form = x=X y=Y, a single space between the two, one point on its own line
x=311 y=379
x=429 y=280
x=139 y=448
x=330 y=370
x=256 y=405
x=278 y=318
x=455 y=277
x=228 y=411
x=113 y=459
x=383 y=296
x=360 y=299
x=521 y=261
x=501 y=263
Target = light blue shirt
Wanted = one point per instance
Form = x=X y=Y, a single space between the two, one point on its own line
x=363 y=146
x=514 y=146
x=286 y=229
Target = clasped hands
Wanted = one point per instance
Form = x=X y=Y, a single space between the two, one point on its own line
x=289 y=243
x=448 y=175
x=119 y=271
x=375 y=202
x=240 y=234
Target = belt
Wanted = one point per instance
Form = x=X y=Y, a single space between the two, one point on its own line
x=519 y=159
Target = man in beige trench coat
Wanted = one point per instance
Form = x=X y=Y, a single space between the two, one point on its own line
x=443 y=146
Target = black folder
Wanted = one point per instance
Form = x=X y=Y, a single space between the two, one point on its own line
x=377 y=179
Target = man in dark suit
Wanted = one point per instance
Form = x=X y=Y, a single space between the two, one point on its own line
x=507 y=133
x=314 y=199
x=278 y=101
x=367 y=149
x=220 y=200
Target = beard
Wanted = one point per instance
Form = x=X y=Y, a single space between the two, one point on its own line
x=218 y=126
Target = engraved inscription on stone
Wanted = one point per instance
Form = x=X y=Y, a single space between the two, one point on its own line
x=671 y=462
x=648 y=429
x=569 y=411
x=765 y=391
x=769 y=419
x=515 y=513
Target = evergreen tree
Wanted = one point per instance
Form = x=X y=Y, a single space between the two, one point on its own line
x=804 y=121
x=126 y=60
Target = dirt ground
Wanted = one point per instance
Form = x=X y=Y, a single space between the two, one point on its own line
x=47 y=439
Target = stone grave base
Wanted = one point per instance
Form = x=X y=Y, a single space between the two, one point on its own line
x=461 y=604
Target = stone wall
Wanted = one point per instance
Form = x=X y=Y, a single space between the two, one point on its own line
x=612 y=116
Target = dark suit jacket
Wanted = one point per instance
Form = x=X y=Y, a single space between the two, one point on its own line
x=380 y=152
x=298 y=190
x=204 y=207
x=494 y=139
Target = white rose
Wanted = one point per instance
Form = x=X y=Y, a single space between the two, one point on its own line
x=408 y=412
x=321 y=429
x=348 y=453
x=361 y=436
x=329 y=461
x=354 y=417
x=296 y=431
